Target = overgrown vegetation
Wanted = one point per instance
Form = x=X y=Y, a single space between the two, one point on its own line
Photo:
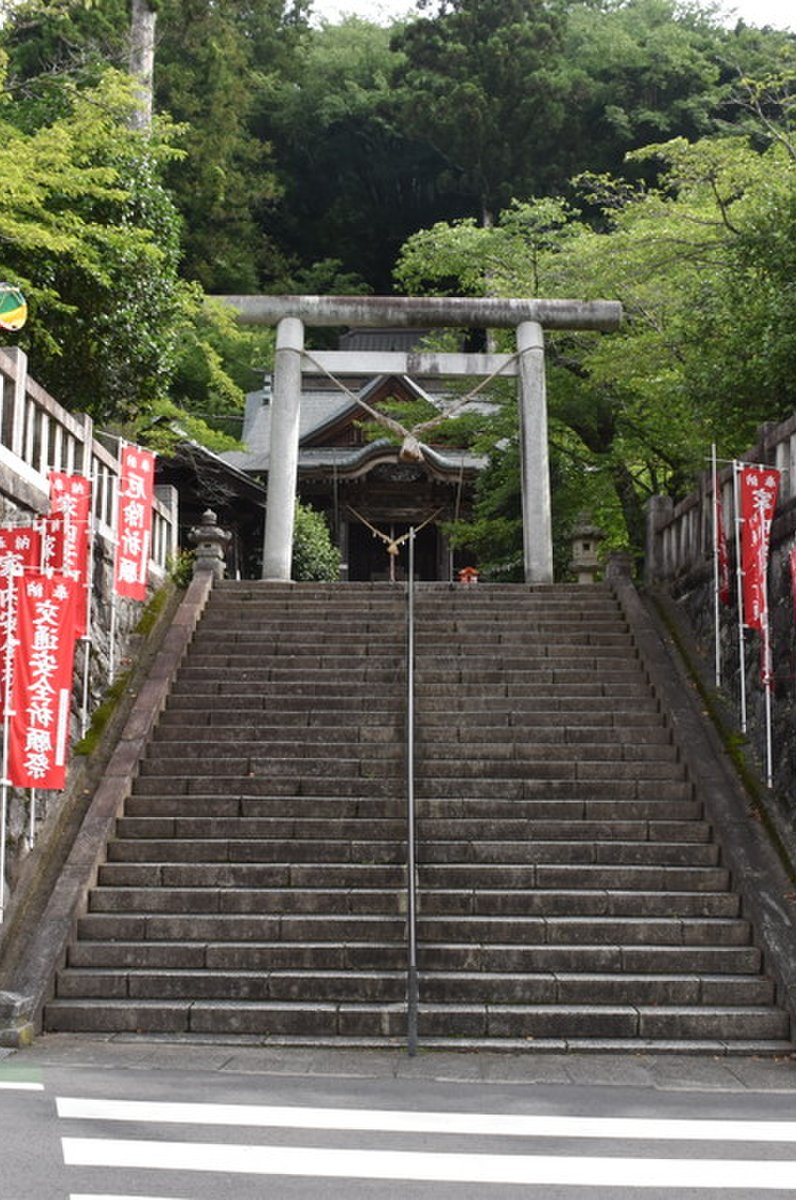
x=626 y=149
x=315 y=558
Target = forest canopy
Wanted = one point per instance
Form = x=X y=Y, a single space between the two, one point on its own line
x=636 y=150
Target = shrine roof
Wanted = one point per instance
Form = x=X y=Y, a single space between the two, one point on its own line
x=325 y=407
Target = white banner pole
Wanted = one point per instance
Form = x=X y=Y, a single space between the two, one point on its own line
x=86 y=639
x=5 y=782
x=32 y=825
x=767 y=669
x=716 y=565
x=736 y=467
x=116 y=490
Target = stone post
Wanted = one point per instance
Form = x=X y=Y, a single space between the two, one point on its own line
x=534 y=460
x=659 y=511
x=210 y=542
x=283 y=462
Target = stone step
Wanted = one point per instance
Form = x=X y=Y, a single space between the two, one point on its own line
x=262 y=850
x=208 y=706
x=431 y=930
x=387 y=987
x=367 y=954
x=628 y=788
x=570 y=890
x=616 y=852
x=275 y=1018
x=208 y=899
x=439 y=987
x=501 y=877
x=457 y=987
x=350 y=850
x=334 y=807
x=430 y=830
x=438 y=724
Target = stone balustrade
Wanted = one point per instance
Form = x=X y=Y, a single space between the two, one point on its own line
x=37 y=435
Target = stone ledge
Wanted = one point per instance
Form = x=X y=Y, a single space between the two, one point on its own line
x=759 y=874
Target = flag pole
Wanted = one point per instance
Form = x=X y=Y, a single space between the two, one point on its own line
x=768 y=682
x=739 y=587
x=116 y=491
x=4 y=782
x=716 y=568
x=86 y=639
x=32 y=824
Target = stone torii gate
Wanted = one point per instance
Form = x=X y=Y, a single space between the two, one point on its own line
x=529 y=318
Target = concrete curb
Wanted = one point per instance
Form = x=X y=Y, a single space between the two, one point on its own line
x=758 y=872
x=30 y=985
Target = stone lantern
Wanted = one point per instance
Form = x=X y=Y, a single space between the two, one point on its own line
x=586 y=539
x=211 y=543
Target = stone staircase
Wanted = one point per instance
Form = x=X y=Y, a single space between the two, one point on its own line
x=571 y=893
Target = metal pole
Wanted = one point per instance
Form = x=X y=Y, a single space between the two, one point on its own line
x=411 y=882
x=116 y=489
x=716 y=581
x=767 y=685
x=4 y=781
x=86 y=639
x=32 y=822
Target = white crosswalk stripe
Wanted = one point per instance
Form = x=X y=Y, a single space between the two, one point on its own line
x=396 y=1121
x=580 y=1168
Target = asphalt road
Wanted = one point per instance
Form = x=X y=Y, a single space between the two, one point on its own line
x=90 y=1120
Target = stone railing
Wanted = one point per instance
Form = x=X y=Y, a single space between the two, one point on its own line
x=680 y=559
x=680 y=537
x=37 y=435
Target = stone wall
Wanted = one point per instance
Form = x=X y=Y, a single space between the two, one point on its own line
x=27 y=812
x=680 y=560
x=37 y=435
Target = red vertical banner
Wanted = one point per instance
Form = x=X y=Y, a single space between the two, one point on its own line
x=70 y=503
x=792 y=563
x=759 y=487
x=41 y=691
x=134 y=522
x=20 y=551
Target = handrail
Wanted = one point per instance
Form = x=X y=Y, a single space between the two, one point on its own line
x=411 y=880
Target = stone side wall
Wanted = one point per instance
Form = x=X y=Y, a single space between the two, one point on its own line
x=36 y=435
x=692 y=588
x=26 y=815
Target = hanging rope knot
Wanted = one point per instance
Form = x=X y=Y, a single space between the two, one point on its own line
x=411 y=450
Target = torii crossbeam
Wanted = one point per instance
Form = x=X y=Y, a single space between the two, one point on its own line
x=528 y=317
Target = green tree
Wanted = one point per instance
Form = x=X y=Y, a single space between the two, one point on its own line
x=207 y=79
x=315 y=557
x=93 y=239
x=478 y=82
x=703 y=264
x=354 y=185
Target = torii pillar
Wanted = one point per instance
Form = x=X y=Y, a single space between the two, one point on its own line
x=528 y=317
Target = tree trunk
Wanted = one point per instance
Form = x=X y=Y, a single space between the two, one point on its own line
x=142 y=59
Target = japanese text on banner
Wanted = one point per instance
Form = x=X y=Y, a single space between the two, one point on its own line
x=70 y=504
x=758 y=498
x=42 y=681
x=20 y=551
x=134 y=523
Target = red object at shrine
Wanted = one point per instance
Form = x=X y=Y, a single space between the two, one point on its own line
x=41 y=687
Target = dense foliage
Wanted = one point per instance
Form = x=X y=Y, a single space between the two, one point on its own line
x=629 y=149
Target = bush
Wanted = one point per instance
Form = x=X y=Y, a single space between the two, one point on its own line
x=315 y=558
